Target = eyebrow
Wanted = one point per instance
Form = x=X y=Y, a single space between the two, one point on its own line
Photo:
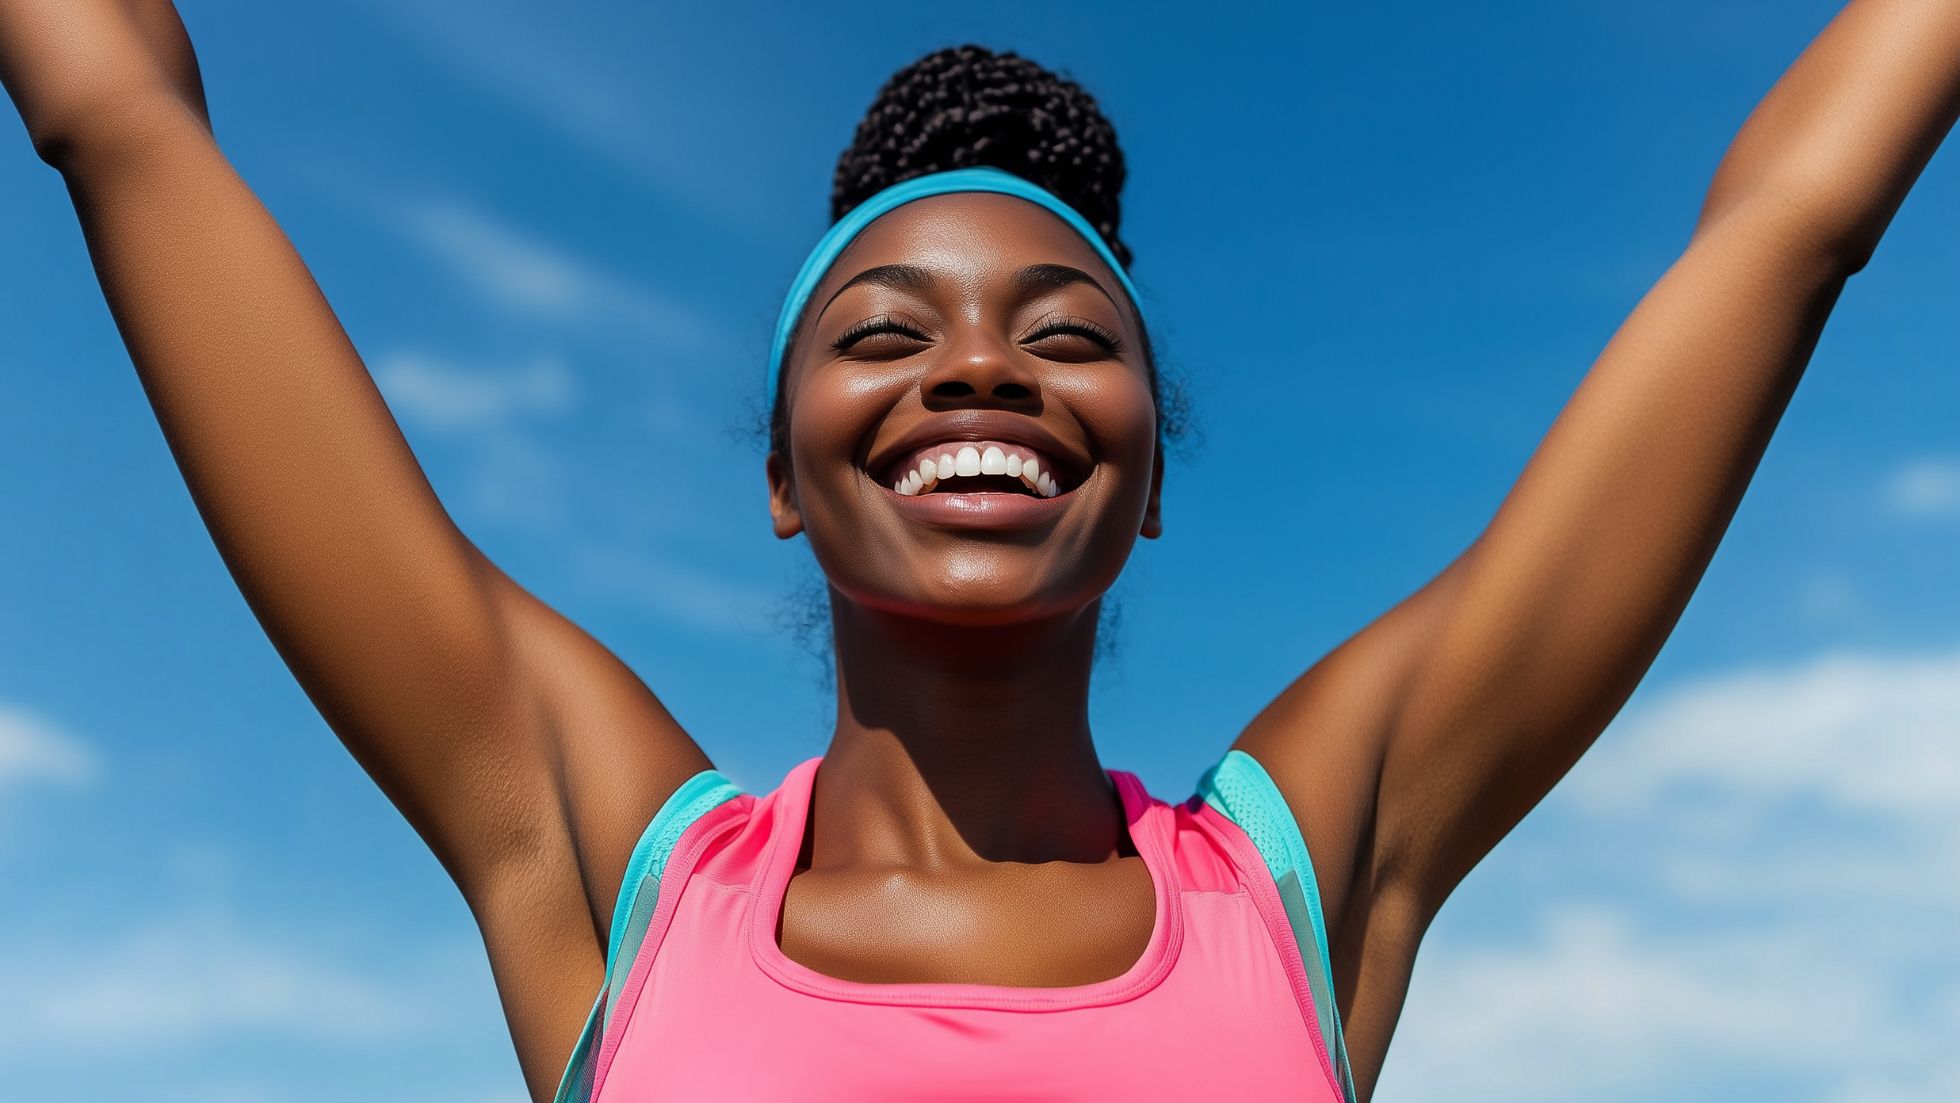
x=1049 y=277
x=901 y=277
x=1028 y=281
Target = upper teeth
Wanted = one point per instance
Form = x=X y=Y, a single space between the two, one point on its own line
x=953 y=460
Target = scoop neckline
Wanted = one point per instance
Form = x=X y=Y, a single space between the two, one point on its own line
x=790 y=818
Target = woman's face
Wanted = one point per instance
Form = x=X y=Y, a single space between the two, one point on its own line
x=981 y=321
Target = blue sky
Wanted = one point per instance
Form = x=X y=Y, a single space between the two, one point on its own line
x=1380 y=243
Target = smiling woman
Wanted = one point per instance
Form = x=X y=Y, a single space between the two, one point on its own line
x=958 y=900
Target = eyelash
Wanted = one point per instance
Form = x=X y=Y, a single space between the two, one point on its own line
x=885 y=323
x=1085 y=327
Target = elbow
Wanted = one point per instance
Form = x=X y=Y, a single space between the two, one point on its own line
x=1834 y=236
x=101 y=129
x=1854 y=247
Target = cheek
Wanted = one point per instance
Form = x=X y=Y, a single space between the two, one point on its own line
x=1122 y=419
x=829 y=420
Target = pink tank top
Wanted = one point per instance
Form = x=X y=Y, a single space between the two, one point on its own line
x=702 y=1004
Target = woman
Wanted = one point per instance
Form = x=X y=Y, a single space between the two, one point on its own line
x=963 y=903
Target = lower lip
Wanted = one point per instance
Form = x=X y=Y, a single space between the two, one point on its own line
x=995 y=509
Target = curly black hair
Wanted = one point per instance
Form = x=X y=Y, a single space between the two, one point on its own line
x=965 y=106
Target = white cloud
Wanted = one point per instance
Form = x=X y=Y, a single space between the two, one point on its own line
x=515 y=270
x=449 y=396
x=181 y=979
x=510 y=478
x=34 y=748
x=1601 y=1005
x=1927 y=487
x=1862 y=733
x=1764 y=885
x=518 y=271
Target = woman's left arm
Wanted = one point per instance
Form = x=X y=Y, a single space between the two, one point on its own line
x=1455 y=712
x=1556 y=611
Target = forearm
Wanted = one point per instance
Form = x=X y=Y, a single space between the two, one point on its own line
x=1837 y=143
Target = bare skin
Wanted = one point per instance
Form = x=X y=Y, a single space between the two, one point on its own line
x=962 y=827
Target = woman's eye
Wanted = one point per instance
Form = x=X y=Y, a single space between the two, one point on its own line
x=1082 y=330
x=874 y=327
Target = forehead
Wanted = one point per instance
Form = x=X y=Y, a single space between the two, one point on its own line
x=974 y=237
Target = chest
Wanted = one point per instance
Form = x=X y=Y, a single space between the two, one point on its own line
x=1038 y=926
x=719 y=1015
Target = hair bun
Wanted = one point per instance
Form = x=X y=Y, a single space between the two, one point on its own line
x=966 y=106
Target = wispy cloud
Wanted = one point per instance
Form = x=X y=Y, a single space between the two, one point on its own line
x=1926 y=487
x=34 y=748
x=580 y=91
x=491 y=413
x=1783 y=845
x=445 y=394
x=516 y=270
x=182 y=979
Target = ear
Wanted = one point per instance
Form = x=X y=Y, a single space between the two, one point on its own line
x=1153 y=519
x=782 y=497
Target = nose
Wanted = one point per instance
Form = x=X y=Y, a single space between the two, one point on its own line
x=982 y=372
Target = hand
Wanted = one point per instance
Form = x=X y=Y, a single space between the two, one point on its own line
x=72 y=66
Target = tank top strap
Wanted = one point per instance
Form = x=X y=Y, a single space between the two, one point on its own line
x=633 y=914
x=1241 y=790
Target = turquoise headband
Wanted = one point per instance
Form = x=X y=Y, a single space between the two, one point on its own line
x=919 y=187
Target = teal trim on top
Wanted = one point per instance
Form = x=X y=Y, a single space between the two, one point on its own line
x=576 y=1078
x=1242 y=791
x=981 y=179
x=688 y=803
x=696 y=796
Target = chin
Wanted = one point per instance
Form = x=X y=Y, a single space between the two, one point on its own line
x=986 y=599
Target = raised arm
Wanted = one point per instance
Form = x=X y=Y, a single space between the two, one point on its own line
x=524 y=753
x=1420 y=742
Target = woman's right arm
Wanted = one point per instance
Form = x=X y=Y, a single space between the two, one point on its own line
x=524 y=753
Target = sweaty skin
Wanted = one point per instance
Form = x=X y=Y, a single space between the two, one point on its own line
x=962 y=829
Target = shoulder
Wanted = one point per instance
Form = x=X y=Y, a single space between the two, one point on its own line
x=706 y=800
x=1241 y=805
x=1238 y=805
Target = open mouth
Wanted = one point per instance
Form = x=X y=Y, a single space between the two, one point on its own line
x=977 y=467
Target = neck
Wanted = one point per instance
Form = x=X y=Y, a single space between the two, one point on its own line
x=962 y=746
